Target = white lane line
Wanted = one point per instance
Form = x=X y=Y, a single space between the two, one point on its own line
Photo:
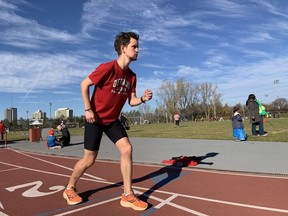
x=168 y=202
x=217 y=201
x=58 y=174
x=187 y=209
x=64 y=167
x=211 y=200
x=164 y=202
x=34 y=170
x=7 y=170
x=87 y=207
x=237 y=204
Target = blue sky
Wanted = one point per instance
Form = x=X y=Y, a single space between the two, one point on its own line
x=48 y=47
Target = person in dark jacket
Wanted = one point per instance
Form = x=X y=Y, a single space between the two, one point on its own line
x=254 y=117
x=65 y=139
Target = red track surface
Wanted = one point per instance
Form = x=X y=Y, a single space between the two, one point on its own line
x=32 y=184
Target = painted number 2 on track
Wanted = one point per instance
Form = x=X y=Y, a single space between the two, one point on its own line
x=33 y=189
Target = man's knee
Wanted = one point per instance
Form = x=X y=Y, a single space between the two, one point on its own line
x=127 y=149
x=89 y=158
x=124 y=146
x=87 y=162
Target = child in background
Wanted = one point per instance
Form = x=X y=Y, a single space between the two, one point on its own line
x=238 y=126
x=51 y=141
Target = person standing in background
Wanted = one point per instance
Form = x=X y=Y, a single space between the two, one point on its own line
x=177 y=119
x=254 y=116
x=2 y=129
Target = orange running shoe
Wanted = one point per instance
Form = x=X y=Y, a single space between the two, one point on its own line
x=71 y=196
x=131 y=201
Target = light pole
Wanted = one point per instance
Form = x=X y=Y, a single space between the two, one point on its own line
x=50 y=104
x=27 y=118
x=166 y=116
x=276 y=82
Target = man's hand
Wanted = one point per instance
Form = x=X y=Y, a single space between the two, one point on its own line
x=147 y=95
x=90 y=116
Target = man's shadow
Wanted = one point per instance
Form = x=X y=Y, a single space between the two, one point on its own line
x=200 y=159
x=169 y=173
x=161 y=177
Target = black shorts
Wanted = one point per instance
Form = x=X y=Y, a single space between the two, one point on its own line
x=93 y=134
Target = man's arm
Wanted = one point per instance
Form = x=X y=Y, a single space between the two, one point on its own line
x=134 y=101
x=85 y=86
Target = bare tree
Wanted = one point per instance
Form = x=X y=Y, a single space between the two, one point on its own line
x=160 y=114
x=168 y=95
x=145 y=110
x=183 y=93
x=205 y=95
x=280 y=103
x=187 y=97
x=209 y=98
x=215 y=100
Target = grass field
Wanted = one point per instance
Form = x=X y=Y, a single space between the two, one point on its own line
x=221 y=130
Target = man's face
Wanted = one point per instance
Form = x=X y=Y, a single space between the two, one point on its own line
x=132 y=50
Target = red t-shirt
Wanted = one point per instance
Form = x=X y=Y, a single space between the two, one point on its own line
x=2 y=128
x=112 y=87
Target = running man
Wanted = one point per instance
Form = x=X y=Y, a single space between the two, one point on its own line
x=114 y=82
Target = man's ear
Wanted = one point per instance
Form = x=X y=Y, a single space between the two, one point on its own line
x=122 y=47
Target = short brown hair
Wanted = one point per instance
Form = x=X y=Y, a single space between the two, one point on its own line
x=123 y=38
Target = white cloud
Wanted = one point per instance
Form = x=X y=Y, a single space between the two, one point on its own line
x=30 y=72
x=6 y=5
x=222 y=41
x=260 y=37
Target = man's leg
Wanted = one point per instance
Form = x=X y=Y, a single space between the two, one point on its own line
x=81 y=166
x=125 y=148
x=128 y=198
x=117 y=134
x=70 y=192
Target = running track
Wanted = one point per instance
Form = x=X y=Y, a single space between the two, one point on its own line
x=32 y=184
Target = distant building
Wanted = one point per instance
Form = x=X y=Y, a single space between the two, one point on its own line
x=11 y=114
x=39 y=115
x=63 y=113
